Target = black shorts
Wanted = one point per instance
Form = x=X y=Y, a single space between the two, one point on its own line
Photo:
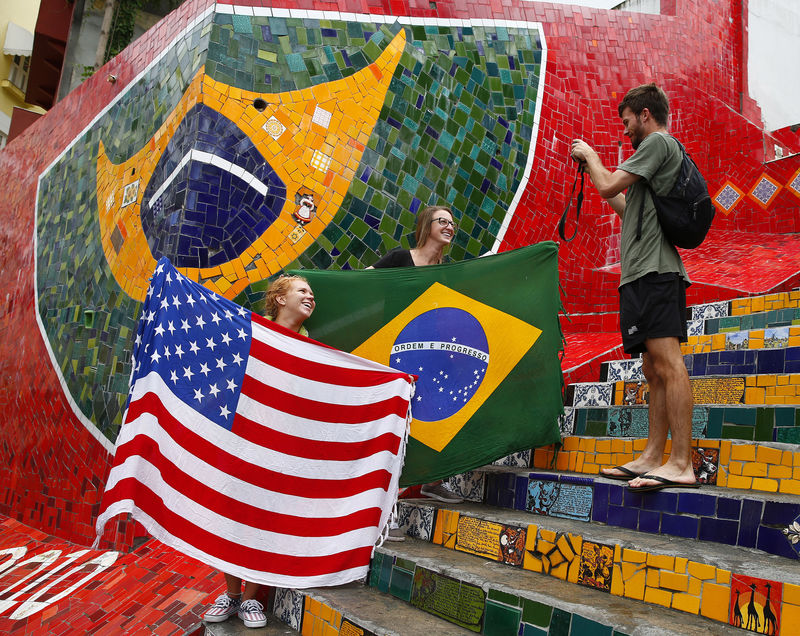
x=653 y=306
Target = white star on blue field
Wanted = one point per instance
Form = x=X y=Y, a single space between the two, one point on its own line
x=449 y=352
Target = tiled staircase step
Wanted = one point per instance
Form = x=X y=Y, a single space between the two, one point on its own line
x=761 y=320
x=737 y=353
x=754 y=390
x=745 y=518
x=358 y=609
x=234 y=627
x=746 y=305
x=515 y=600
x=764 y=466
x=730 y=421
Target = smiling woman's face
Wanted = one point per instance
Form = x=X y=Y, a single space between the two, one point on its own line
x=298 y=301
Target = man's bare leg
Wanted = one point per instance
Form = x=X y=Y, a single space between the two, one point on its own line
x=653 y=453
x=673 y=402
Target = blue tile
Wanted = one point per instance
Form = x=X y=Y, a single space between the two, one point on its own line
x=728 y=508
x=615 y=494
x=699 y=365
x=749 y=522
x=600 y=503
x=543 y=476
x=679 y=526
x=521 y=493
x=771 y=361
x=731 y=357
x=649 y=521
x=697 y=504
x=623 y=517
x=780 y=513
x=718 y=530
x=632 y=499
x=773 y=540
x=575 y=479
x=661 y=501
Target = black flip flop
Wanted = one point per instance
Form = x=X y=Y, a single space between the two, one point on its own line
x=664 y=483
x=629 y=474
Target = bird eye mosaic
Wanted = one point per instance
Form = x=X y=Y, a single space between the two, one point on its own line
x=257 y=144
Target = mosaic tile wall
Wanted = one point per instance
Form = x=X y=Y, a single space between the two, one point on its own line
x=680 y=583
x=746 y=520
x=741 y=465
x=467 y=109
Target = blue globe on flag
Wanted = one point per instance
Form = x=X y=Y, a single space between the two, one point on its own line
x=448 y=349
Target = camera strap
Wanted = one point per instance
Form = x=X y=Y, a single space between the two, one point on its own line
x=578 y=204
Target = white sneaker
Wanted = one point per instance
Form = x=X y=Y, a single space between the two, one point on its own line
x=440 y=492
x=252 y=613
x=222 y=609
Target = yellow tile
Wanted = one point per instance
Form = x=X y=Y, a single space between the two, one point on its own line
x=750 y=380
x=565 y=548
x=634 y=587
x=532 y=563
x=755 y=343
x=571 y=444
x=775 y=400
x=790 y=487
x=743 y=452
x=653 y=578
x=768 y=455
x=560 y=571
x=695 y=586
x=618 y=445
x=591 y=469
x=742 y=483
x=797 y=459
x=752 y=469
x=549 y=536
x=556 y=558
x=574 y=571
x=725 y=452
x=791 y=593
x=718 y=341
x=722 y=478
x=790 y=619
x=617 y=587
x=779 y=472
x=588 y=444
x=617 y=553
x=676 y=582
x=766 y=380
x=735 y=468
x=657 y=597
x=723 y=577
x=702 y=571
x=765 y=485
x=786 y=458
x=307 y=628
x=633 y=556
x=638 y=445
x=716 y=602
x=686 y=603
x=629 y=569
x=662 y=561
x=577 y=542
x=330 y=630
x=562 y=461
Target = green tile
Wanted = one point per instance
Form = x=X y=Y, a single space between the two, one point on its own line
x=765 y=423
x=741 y=416
x=788 y=435
x=536 y=613
x=500 y=620
x=584 y=627
x=504 y=597
x=731 y=431
x=401 y=584
x=530 y=630
x=714 y=425
x=785 y=416
x=559 y=623
x=597 y=429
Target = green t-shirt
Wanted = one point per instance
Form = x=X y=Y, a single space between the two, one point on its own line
x=658 y=161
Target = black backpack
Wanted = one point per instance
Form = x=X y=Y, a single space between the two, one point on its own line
x=686 y=212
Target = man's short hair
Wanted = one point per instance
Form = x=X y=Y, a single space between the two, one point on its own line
x=647 y=96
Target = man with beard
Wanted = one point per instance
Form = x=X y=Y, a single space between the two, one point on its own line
x=652 y=286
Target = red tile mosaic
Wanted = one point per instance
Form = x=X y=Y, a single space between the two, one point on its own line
x=53 y=469
x=49 y=586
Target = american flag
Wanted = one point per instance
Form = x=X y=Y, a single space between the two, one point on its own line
x=251 y=448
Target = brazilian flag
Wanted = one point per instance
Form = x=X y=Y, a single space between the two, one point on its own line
x=482 y=336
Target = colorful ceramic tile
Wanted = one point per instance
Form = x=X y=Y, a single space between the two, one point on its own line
x=593 y=394
x=416 y=520
x=792 y=532
x=494 y=541
x=709 y=310
x=705 y=462
x=453 y=600
x=619 y=370
x=755 y=604
x=764 y=190
x=727 y=197
x=469 y=485
x=596 y=565
x=288 y=607
x=737 y=340
x=566 y=422
x=776 y=337
x=558 y=499
x=521 y=459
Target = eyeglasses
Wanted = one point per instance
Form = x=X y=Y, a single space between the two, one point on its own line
x=445 y=222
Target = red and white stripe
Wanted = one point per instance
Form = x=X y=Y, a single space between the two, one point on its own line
x=295 y=495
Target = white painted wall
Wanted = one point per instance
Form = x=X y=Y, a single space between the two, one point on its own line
x=773 y=54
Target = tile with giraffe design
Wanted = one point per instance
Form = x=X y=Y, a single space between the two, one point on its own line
x=755 y=604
